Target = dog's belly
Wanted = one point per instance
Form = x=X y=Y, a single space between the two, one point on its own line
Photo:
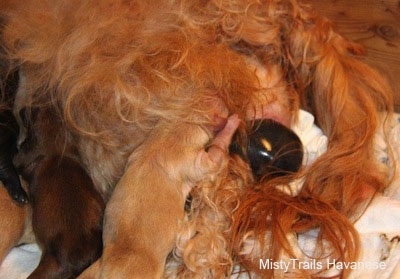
x=115 y=86
x=106 y=165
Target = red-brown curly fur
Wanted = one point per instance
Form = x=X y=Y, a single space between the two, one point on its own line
x=124 y=72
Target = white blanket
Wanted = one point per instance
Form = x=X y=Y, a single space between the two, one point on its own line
x=379 y=227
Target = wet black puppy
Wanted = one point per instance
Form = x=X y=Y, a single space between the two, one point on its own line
x=270 y=148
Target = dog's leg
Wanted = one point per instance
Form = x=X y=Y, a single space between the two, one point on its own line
x=144 y=213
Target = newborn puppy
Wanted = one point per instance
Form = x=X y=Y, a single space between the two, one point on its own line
x=179 y=169
x=270 y=148
x=67 y=216
x=8 y=137
x=67 y=211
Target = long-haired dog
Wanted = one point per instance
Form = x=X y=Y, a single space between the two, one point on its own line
x=152 y=92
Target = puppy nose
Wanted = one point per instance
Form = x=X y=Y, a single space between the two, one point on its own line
x=270 y=148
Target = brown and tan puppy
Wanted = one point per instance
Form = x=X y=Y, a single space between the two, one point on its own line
x=141 y=87
x=67 y=210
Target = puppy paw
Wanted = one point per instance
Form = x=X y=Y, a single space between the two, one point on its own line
x=211 y=160
x=18 y=194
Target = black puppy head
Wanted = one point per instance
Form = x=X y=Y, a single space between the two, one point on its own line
x=270 y=148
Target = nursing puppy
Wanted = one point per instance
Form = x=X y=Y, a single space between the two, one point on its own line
x=67 y=211
x=143 y=86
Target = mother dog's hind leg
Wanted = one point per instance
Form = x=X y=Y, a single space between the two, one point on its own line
x=144 y=213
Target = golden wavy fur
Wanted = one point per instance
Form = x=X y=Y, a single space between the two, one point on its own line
x=124 y=73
